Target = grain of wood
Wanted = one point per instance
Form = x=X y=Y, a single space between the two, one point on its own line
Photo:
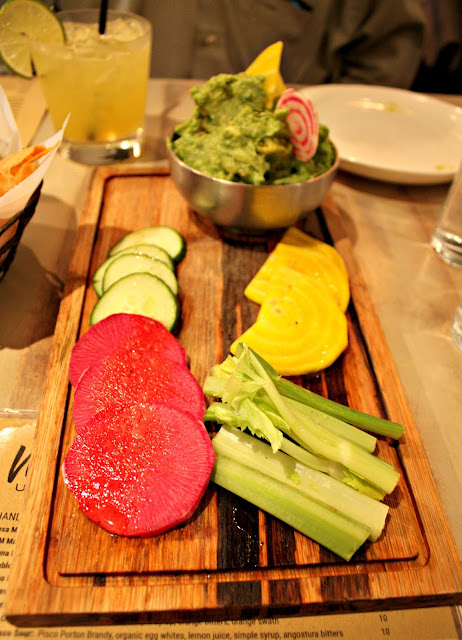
x=229 y=558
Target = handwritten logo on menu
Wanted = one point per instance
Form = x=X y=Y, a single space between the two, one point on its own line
x=18 y=470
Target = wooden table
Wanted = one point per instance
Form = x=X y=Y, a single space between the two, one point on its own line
x=414 y=293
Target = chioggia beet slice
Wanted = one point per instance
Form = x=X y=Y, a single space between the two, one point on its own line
x=122 y=330
x=127 y=377
x=140 y=470
x=303 y=123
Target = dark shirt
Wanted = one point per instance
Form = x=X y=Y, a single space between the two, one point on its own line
x=364 y=41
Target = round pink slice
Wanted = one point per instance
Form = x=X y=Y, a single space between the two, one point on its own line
x=122 y=330
x=140 y=470
x=128 y=376
x=303 y=123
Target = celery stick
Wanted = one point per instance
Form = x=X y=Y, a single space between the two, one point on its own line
x=214 y=386
x=318 y=440
x=312 y=436
x=373 y=424
x=256 y=422
x=343 y=429
x=247 y=415
x=249 y=370
x=327 y=527
x=289 y=389
x=334 y=469
x=258 y=455
x=377 y=473
x=298 y=450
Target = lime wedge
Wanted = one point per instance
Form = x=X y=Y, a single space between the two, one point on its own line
x=21 y=20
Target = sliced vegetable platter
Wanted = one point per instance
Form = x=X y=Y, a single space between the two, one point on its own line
x=229 y=559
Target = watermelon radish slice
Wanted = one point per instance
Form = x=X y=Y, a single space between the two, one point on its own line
x=129 y=376
x=140 y=470
x=303 y=123
x=126 y=331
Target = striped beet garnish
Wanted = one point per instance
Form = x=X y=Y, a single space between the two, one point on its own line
x=303 y=123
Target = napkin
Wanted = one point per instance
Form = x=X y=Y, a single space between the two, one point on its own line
x=14 y=200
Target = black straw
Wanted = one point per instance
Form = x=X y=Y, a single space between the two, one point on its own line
x=102 y=16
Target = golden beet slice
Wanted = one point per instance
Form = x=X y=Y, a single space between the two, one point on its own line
x=305 y=254
x=300 y=328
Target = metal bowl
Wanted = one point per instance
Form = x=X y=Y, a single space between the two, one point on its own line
x=249 y=209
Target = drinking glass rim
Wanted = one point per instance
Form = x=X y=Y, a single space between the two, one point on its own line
x=111 y=14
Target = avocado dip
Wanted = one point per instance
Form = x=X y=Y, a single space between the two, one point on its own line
x=233 y=137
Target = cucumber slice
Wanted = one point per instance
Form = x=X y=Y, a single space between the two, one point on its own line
x=128 y=263
x=142 y=294
x=162 y=236
x=151 y=250
x=139 y=249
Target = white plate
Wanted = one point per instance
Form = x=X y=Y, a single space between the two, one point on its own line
x=390 y=134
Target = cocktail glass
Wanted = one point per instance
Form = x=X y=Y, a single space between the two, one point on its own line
x=456 y=328
x=101 y=81
x=447 y=236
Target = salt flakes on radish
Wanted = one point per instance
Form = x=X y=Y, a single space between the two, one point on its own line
x=142 y=457
x=122 y=330
x=140 y=470
x=130 y=376
x=303 y=123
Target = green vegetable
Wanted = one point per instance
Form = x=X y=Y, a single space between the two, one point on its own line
x=258 y=455
x=139 y=249
x=140 y=293
x=162 y=236
x=127 y=263
x=373 y=424
x=330 y=467
x=342 y=429
x=335 y=531
x=317 y=473
x=234 y=389
x=289 y=389
x=322 y=442
x=233 y=136
x=249 y=416
x=260 y=425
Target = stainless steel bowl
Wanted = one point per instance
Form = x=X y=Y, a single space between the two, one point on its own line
x=249 y=209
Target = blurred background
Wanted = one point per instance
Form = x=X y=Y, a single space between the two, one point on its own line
x=413 y=44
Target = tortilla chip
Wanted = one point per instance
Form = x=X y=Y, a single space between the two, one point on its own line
x=19 y=165
x=24 y=171
x=15 y=160
x=7 y=182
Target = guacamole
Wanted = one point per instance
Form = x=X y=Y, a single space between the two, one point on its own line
x=232 y=136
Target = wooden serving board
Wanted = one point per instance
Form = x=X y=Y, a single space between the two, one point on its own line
x=230 y=559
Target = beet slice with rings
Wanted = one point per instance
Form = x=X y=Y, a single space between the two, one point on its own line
x=140 y=470
x=127 y=377
x=122 y=330
x=303 y=123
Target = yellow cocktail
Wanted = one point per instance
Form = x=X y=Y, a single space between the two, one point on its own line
x=101 y=80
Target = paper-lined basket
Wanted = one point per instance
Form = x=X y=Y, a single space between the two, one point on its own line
x=11 y=232
x=18 y=203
